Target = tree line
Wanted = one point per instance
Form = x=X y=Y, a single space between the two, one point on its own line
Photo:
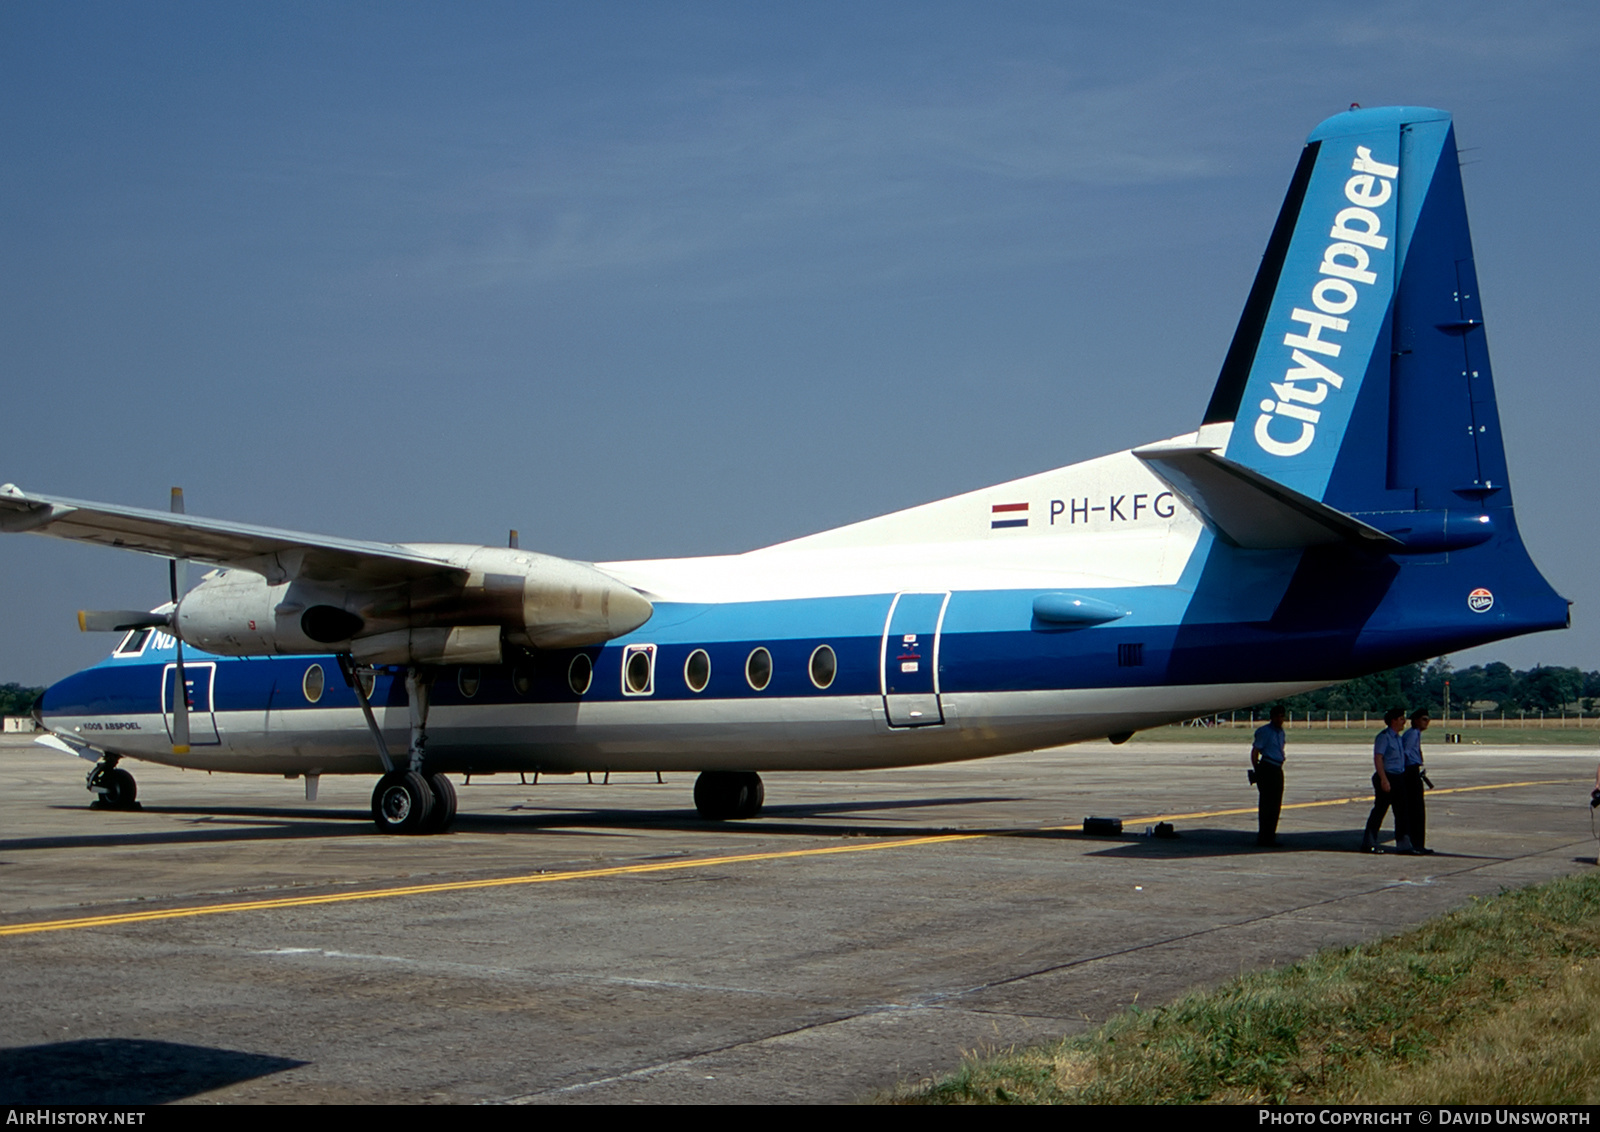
x=1491 y=688
x=17 y=700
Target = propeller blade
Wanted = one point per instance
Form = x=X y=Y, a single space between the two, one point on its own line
x=180 y=699
x=180 y=707
x=120 y=620
x=179 y=570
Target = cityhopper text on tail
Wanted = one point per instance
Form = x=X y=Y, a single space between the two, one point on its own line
x=1343 y=507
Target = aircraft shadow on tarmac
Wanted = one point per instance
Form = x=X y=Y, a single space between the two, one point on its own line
x=125 y=1071
x=223 y=824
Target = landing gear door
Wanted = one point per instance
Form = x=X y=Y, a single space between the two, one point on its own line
x=201 y=679
x=909 y=661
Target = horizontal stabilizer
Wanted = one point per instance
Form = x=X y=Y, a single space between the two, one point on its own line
x=120 y=620
x=1248 y=510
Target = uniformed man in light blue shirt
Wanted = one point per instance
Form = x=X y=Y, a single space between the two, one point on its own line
x=1266 y=761
x=1388 y=757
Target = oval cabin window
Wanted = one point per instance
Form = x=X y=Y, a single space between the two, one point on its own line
x=313 y=683
x=824 y=666
x=758 y=669
x=580 y=673
x=697 y=670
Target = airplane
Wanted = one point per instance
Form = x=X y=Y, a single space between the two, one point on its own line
x=1342 y=508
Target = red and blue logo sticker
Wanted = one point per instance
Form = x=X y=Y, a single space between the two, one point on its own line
x=1480 y=600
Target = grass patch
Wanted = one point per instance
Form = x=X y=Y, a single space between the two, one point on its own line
x=1495 y=1003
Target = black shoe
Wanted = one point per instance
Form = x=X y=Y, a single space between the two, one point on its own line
x=1420 y=849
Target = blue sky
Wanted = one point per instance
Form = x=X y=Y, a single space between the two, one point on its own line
x=647 y=280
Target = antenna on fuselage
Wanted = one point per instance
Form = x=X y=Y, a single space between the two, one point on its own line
x=176 y=566
x=513 y=543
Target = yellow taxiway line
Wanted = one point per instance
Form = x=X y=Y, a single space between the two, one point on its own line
x=115 y=918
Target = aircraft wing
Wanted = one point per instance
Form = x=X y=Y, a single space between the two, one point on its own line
x=277 y=554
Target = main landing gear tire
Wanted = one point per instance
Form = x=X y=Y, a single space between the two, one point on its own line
x=120 y=789
x=723 y=794
x=402 y=802
x=444 y=804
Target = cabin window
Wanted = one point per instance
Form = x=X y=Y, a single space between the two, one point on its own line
x=133 y=643
x=469 y=680
x=312 y=683
x=697 y=670
x=758 y=669
x=580 y=674
x=521 y=680
x=824 y=666
x=638 y=670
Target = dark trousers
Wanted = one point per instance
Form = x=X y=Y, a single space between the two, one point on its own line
x=1382 y=800
x=1416 y=816
x=1269 y=782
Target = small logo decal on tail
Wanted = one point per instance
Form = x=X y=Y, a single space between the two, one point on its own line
x=1480 y=600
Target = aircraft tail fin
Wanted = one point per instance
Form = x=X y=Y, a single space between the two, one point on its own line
x=1359 y=376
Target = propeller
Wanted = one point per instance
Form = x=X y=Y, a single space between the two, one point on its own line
x=120 y=620
x=180 y=696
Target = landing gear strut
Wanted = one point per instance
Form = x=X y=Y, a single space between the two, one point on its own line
x=116 y=788
x=411 y=800
x=723 y=794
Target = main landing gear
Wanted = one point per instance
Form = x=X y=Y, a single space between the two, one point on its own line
x=408 y=802
x=723 y=794
x=412 y=800
x=116 y=788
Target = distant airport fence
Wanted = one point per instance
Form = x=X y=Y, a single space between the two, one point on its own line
x=1365 y=721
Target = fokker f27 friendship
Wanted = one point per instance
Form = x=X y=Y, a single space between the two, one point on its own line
x=1342 y=508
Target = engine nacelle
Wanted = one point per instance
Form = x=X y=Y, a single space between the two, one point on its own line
x=479 y=597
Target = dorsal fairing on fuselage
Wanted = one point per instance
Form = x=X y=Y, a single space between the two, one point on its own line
x=1100 y=523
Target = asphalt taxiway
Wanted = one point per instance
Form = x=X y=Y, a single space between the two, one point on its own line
x=577 y=942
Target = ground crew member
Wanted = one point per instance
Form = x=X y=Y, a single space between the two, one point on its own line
x=1266 y=763
x=1414 y=794
x=1390 y=762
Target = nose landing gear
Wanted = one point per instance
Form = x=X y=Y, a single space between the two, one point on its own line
x=116 y=788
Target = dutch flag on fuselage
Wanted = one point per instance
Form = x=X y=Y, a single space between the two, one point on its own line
x=1008 y=515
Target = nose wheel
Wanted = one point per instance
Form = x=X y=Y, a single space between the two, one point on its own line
x=116 y=788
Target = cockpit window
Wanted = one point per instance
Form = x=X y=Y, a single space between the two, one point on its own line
x=133 y=643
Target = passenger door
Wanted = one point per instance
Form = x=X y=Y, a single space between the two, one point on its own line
x=909 y=659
